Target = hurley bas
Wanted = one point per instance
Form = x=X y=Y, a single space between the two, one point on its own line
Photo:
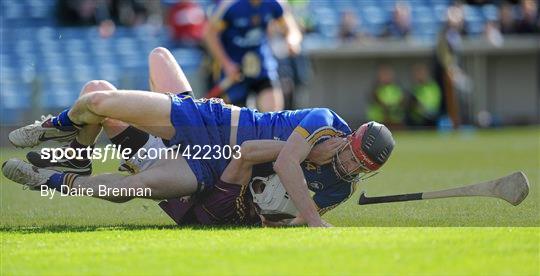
x=102 y=191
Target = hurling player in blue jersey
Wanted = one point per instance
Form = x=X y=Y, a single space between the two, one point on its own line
x=188 y=122
x=333 y=178
x=185 y=121
x=237 y=38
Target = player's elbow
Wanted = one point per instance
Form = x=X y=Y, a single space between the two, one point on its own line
x=248 y=150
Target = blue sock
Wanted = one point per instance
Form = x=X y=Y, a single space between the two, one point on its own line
x=63 y=122
x=56 y=181
x=62 y=182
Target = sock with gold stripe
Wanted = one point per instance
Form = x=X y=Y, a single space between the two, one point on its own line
x=63 y=122
x=61 y=182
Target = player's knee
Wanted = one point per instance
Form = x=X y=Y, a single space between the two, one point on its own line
x=270 y=100
x=159 y=53
x=96 y=101
x=96 y=85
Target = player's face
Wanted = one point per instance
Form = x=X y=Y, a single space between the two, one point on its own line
x=347 y=165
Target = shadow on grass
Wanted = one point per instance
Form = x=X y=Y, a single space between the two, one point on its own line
x=119 y=227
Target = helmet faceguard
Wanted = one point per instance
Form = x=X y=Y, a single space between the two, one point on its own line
x=367 y=149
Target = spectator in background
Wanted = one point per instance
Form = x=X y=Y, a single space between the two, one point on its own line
x=400 y=25
x=388 y=99
x=82 y=12
x=86 y=13
x=529 y=22
x=106 y=14
x=187 y=21
x=447 y=70
x=506 y=17
x=425 y=102
x=92 y=12
x=349 y=27
x=129 y=13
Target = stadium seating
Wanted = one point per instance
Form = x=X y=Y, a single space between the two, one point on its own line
x=46 y=64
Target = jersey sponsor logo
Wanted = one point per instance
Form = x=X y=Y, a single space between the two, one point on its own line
x=250 y=39
x=241 y=22
x=316 y=185
x=310 y=166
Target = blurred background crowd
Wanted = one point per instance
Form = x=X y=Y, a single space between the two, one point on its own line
x=50 y=48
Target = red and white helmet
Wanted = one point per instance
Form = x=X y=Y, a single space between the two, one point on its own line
x=368 y=148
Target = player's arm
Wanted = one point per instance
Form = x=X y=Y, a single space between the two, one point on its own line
x=213 y=29
x=293 y=35
x=261 y=151
x=325 y=200
x=316 y=125
x=255 y=152
x=290 y=173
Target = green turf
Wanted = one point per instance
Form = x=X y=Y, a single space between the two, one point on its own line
x=93 y=236
x=275 y=251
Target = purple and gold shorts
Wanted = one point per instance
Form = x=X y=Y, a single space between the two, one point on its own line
x=224 y=204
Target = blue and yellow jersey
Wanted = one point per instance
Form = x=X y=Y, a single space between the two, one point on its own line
x=243 y=25
x=208 y=122
x=329 y=190
x=315 y=125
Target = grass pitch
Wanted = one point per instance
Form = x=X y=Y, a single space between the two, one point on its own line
x=85 y=235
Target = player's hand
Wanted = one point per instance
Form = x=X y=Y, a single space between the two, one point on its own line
x=322 y=153
x=322 y=223
x=232 y=70
x=294 y=43
x=294 y=49
x=269 y=223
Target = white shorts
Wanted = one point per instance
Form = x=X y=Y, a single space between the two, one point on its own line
x=140 y=161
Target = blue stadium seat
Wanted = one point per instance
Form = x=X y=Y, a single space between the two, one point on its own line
x=490 y=12
x=474 y=20
x=61 y=59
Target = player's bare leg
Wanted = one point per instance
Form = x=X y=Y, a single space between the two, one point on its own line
x=170 y=178
x=149 y=112
x=165 y=73
x=270 y=99
x=88 y=133
x=85 y=138
x=165 y=76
